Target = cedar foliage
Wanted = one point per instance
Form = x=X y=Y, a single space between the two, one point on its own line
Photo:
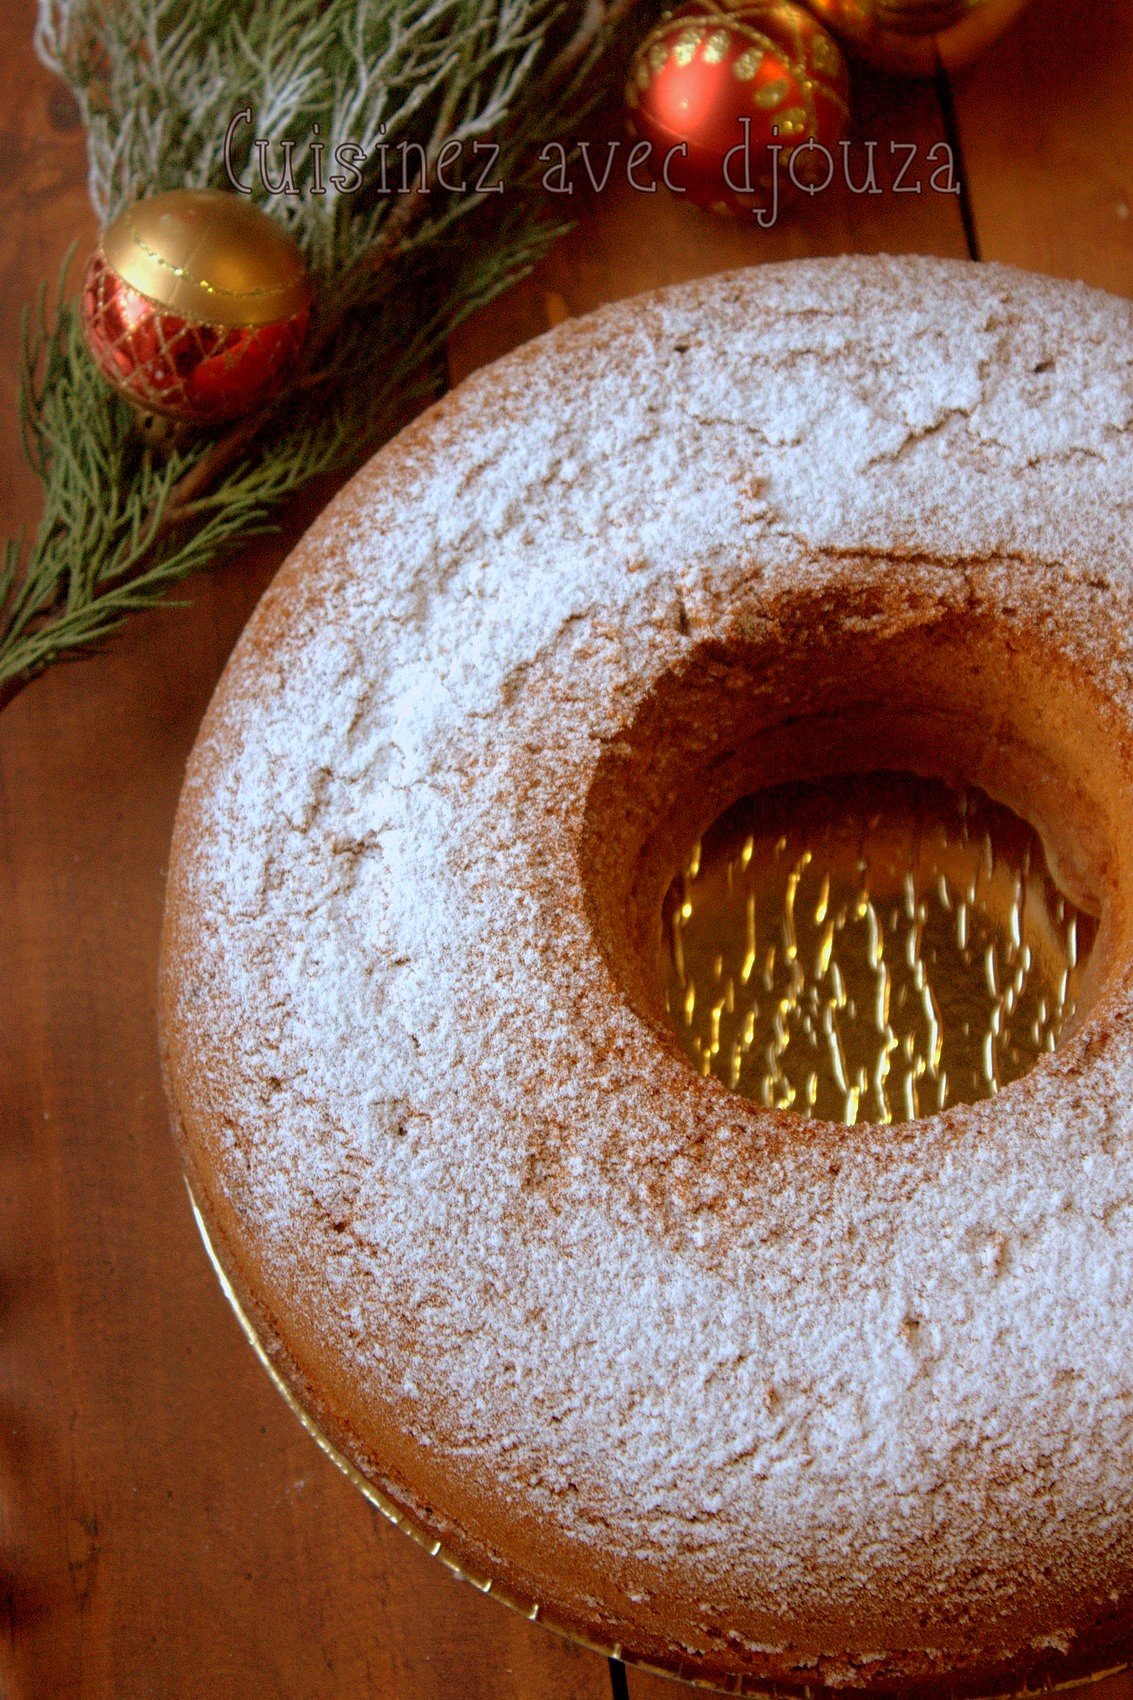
x=158 y=82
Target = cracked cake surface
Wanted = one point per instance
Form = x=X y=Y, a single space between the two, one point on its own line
x=762 y=1399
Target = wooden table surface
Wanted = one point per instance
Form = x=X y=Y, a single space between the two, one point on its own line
x=166 y=1528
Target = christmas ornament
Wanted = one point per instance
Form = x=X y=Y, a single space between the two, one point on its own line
x=195 y=305
x=738 y=101
x=915 y=36
x=113 y=542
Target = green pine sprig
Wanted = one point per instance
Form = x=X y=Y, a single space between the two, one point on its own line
x=157 y=82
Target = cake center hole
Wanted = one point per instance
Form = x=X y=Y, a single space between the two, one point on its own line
x=872 y=948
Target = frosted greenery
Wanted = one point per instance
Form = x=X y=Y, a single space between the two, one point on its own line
x=158 y=82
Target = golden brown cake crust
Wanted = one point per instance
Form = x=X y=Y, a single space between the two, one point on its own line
x=758 y=1398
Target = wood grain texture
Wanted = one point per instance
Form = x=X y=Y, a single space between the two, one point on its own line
x=165 y=1526
x=1046 y=124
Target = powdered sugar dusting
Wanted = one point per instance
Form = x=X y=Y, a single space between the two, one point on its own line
x=835 y=1393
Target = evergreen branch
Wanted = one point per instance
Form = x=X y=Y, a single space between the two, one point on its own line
x=157 y=82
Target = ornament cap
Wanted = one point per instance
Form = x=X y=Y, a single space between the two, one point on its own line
x=210 y=256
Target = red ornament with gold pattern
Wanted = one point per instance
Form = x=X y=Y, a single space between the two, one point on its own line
x=195 y=305
x=726 y=93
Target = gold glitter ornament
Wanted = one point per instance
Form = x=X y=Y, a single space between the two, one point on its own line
x=916 y=36
x=734 y=97
x=195 y=305
x=870 y=949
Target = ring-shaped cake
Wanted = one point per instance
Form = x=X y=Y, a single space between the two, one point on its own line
x=768 y=1401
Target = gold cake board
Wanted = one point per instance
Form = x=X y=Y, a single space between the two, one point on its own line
x=531 y=1610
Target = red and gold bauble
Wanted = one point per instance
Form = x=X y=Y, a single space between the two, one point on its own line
x=195 y=305
x=917 y=36
x=747 y=75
